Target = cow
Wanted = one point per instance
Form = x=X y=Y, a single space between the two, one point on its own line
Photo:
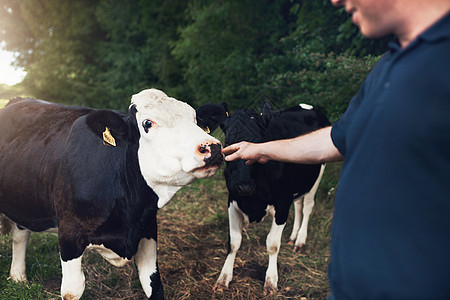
x=260 y=189
x=99 y=178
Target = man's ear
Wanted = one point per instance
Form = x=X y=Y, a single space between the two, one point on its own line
x=210 y=116
x=103 y=121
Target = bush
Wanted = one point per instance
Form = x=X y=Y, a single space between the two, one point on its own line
x=329 y=81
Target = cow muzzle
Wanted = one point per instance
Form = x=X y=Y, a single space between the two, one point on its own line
x=211 y=154
x=245 y=189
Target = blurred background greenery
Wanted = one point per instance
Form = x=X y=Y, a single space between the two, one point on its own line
x=98 y=53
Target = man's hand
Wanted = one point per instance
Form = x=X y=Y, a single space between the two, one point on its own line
x=247 y=151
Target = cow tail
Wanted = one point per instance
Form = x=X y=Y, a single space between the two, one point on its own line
x=5 y=224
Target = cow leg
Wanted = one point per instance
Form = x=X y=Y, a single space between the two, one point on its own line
x=72 y=285
x=298 y=206
x=308 y=205
x=147 y=265
x=19 y=248
x=236 y=222
x=273 y=244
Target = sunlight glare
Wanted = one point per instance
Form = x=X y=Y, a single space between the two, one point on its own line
x=9 y=74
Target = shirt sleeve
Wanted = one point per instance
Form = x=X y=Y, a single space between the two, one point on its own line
x=339 y=129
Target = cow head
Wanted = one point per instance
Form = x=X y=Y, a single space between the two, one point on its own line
x=173 y=150
x=242 y=125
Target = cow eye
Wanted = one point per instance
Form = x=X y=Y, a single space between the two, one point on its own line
x=147 y=124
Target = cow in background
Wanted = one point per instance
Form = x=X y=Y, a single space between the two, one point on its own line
x=261 y=189
x=98 y=177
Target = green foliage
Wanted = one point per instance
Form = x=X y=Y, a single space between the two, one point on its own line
x=55 y=47
x=243 y=53
x=94 y=53
x=99 y=53
x=325 y=29
x=222 y=43
x=135 y=52
x=302 y=76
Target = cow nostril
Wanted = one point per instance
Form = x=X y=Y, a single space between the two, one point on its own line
x=212 y=154
x=246 y=189
x=203 y=149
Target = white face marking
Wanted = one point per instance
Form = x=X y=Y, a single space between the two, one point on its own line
x=168 y=147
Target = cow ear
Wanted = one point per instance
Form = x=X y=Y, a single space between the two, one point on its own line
x=266 y=108
x=108 y=125
x=210 y=116
x=266 y=113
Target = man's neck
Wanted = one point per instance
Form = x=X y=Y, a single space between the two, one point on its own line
x=419 y=17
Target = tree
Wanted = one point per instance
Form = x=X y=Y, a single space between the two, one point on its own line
x=136 y=52
x=222 y=42
x=55 y=46
x=100 y=52
x=95 y=53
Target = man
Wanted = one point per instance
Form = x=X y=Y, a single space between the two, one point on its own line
x=391 y=225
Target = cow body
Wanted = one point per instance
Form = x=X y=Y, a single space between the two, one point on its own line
x=58 y=170
x=261 y=189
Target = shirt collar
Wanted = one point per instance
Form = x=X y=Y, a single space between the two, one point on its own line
x=437 y=31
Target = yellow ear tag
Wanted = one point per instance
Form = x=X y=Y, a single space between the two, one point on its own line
x=227 y=114
x=108 y=138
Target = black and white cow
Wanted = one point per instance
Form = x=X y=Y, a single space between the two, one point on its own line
x=261 y=189
x=99 y=177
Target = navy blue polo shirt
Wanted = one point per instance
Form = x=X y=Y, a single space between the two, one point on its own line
x=391 y=225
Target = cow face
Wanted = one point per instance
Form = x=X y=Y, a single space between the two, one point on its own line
x=173 y=150
x=243 y=125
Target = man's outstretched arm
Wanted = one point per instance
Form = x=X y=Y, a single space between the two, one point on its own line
x=312 y=148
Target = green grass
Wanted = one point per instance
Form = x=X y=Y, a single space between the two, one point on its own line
x=192 y=246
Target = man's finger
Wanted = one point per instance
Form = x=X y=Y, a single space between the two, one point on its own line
x=231 y=157
x=230 y=149
x=250 y=162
